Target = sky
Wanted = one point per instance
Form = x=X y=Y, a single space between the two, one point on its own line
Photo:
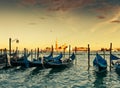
x=39 y=23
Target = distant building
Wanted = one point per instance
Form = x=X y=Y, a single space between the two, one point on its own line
x=47 y=49
x=80 y=49
x=117 y=49
x=102 y=49
x=60 y=48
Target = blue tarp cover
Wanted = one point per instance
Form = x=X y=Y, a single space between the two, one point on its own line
x=113 y=57
x=99 y=61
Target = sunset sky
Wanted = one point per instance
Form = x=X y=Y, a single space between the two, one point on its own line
x=39 y=23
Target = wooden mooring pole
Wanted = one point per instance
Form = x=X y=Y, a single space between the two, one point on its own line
x=31 y=54
x=52 y=50
x=5 y=57
x=10 y=47
x=64 y=52
x=75 y=54
x=110 y=55
x=104 y=53
x=88 y=56
x=37 y=53
x=0 y=51
x=24 y=51
x=69 y=51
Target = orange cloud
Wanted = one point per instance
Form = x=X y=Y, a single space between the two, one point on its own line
x=115 y=21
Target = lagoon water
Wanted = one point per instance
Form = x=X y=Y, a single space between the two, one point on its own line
x=76 y=76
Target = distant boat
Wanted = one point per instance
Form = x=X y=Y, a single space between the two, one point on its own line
x=115 y=64
x=100 y=64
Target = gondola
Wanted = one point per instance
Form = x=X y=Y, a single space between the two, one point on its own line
x=45 y=62
x=100 y=64
x=2 y=59
x=22 y=61
x=59 y=63
x=41 y=61
x=115 y=61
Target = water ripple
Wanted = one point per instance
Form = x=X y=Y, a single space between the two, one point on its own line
x=76 y=76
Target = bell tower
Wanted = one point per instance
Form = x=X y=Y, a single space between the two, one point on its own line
x=56 y=45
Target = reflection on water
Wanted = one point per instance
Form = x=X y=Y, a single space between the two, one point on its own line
x=99 y=80
x=118 y=72
x=56 y=70
x=35 y=71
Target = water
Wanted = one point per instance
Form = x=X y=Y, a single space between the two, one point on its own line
x=76 y=76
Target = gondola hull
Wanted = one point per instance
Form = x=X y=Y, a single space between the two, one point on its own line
x=117 y=69
x=17 y=63
x=116 y=65
x=55 y=63
x=100 y=69
x=100 y=64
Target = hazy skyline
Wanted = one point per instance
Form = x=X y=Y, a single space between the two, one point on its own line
x=38 y=23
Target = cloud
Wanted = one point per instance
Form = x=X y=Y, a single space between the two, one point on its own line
x=42 y=18
x=111 y=18
x=105 y=8
x=32 y=23
x=65 y=5
x=101 y=17
x=115 y=21
x=114 y=29
x=116 y=17
x=28 y=2
x=57 y=5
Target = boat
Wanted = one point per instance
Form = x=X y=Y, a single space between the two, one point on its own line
x=2 y=59
x=35 y=63
x=24 y=62
x=100 y=64
x=47 y=61
x=48 y=58
x=115 y=61
x=57 y=62
x=20 y=61
x=41 y=61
